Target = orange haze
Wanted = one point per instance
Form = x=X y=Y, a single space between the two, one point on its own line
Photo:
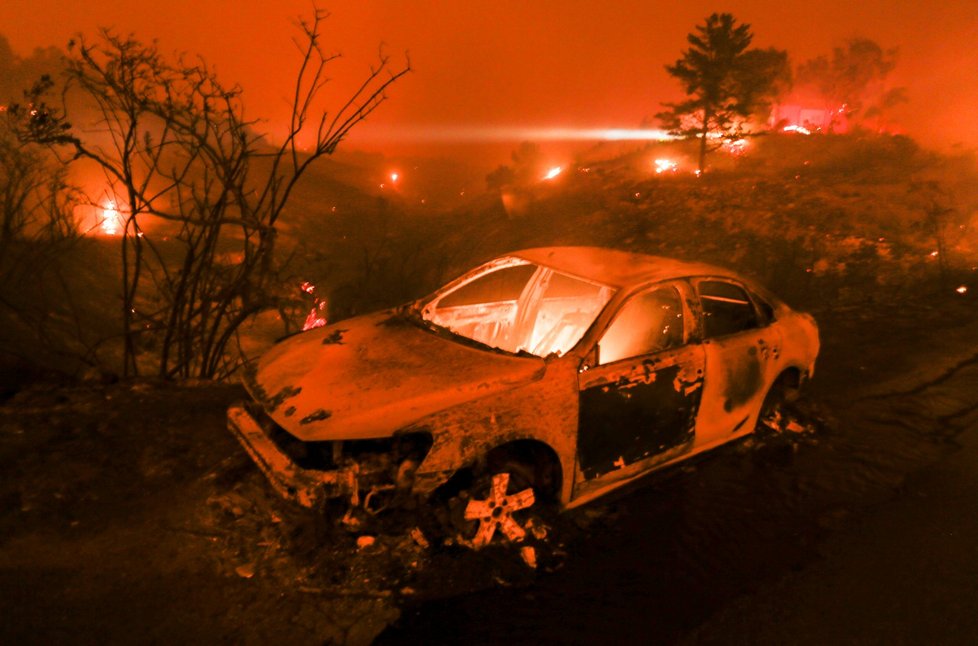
x=514 y=64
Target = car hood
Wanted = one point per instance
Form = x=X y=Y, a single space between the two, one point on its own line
x=369 y=376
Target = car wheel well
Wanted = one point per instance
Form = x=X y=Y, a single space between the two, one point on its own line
x=789 y=382
x=785 y=390
x=534 y=459
x=542 y=460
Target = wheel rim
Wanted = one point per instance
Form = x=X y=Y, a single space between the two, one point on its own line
x=495 y=512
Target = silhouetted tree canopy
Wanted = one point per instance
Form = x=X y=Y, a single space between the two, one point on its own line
x=725 y=82
x=853 y=80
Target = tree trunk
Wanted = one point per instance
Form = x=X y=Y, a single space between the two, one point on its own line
x=703 y=132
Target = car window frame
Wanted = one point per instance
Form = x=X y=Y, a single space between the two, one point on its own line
x=590 y=360
x=763 y=320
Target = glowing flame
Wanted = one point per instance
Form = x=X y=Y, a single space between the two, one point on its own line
x=962 y=290
x=317 y=315
x=798 y=129
x=394 y=177
x=665 y=166
x=111 y=221
x=553 y=172
x=736 y=147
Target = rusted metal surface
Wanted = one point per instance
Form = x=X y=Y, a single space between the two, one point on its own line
x=639 y=411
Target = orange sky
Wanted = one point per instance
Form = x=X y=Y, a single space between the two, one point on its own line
x=574 y=63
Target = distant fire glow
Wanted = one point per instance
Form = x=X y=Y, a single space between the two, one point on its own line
x=394 y=177
x=553 y=172
x=665 y=166
x=512 y=133
x=799 y=129
x=962 y=290
x=111 y=222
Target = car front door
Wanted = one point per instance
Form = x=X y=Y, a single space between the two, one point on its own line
x=638 y=401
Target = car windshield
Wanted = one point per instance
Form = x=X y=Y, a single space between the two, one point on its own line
x=518 y=306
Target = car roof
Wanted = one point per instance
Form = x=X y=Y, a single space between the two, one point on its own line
x=621 y=269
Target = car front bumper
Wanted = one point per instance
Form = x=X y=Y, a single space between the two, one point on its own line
x=307 y=487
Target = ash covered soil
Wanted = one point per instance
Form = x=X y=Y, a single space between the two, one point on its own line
x=129 y=513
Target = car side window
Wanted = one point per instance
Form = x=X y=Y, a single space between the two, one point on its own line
x=727 y=309
x=648 y=322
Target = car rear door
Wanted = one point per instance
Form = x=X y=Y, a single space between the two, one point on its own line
x=742 y=347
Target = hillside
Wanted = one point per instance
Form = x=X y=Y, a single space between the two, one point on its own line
x=823 y=221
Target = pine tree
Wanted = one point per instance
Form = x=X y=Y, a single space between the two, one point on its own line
x=725 y=82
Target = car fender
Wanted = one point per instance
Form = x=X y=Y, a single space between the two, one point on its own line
x=545 y=410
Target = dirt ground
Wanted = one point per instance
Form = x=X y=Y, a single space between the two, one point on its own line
x=128 y=513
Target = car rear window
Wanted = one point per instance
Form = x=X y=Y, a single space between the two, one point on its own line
x=727 y=309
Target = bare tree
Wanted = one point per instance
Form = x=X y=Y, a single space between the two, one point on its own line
x=37 y=234
x=35 y=197
x=935 y=204
x=200 y=191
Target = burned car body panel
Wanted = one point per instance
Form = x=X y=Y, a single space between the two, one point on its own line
x=646 y=408
x=543 y=411
x=366 y=376
x=608 y=363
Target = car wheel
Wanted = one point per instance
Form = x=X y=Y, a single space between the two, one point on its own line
x=777 y=414
x=496 y=507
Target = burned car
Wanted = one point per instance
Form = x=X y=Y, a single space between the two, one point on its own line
x=552 y=374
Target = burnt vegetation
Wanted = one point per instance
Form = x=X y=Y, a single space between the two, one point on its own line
x=181 y=162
